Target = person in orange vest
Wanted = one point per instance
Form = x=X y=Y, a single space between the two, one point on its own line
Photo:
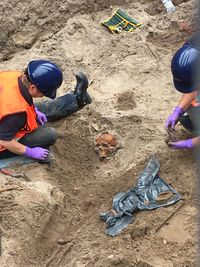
x=183 y=66
x=22 y=123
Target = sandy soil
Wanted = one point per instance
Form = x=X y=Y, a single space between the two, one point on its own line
x=53 y=219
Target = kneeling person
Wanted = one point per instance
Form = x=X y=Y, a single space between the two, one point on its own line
x=184 y=66
x=22 y=124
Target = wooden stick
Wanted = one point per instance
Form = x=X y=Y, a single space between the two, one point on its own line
x=7 y=188
x=151 y=50
x=170 y=216
x=51 y=258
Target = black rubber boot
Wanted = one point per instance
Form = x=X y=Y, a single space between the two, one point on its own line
x=187 y=123
x=58 y=108
x=80 y=91
x=67 y=104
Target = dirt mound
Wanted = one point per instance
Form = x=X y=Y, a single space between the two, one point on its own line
x=53 y=220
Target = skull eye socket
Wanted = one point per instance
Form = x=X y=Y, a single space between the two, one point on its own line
x=104 y=145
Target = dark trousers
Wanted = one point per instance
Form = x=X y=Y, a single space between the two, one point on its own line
x=194 y=114
x=45 y=136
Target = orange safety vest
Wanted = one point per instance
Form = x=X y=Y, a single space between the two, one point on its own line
x=12 y=102
x=195 y=103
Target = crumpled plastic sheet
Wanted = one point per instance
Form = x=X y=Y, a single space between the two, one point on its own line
x=142 y=197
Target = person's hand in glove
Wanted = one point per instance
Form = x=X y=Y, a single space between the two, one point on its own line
x=173 y=119
x=41 y=117
x=36 y=153
x=182 y=144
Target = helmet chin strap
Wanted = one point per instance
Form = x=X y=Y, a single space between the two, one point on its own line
x=32 y=89
x=25 y=80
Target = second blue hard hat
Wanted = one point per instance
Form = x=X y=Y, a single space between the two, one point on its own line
x=183 y=67
x=46 y=76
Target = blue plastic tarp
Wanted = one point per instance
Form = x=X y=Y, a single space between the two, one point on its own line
x=144 y=196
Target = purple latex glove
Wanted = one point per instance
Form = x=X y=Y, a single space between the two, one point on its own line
x=41 y=117
x=36 y=153
x=181 y=144
x=173 y=119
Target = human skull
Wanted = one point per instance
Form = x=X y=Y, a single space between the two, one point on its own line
x=105 y=145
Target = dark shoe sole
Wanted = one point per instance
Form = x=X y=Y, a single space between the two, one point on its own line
x=80 y=91
x=187 y=123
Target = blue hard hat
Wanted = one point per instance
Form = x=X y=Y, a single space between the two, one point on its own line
x=183 y=68
x=46 y=76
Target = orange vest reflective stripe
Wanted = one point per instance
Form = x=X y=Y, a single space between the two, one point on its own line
x=194 y=103
x=12 y=102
